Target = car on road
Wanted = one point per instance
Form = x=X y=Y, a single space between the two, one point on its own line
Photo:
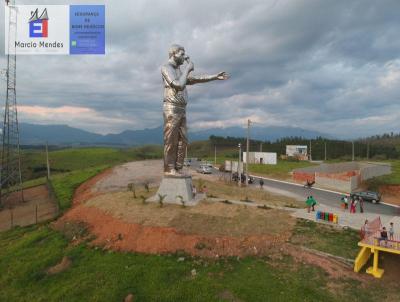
x=204 y=170
x=374 y=197
x=206 y=164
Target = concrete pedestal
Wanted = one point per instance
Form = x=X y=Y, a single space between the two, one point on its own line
x=173 y=187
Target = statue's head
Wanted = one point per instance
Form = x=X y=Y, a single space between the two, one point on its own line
x=177 y=53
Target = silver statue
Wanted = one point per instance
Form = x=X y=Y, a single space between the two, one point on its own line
x=175 y=100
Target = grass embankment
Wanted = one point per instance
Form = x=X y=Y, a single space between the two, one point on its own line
x=65 y=185
x=326 y=238
x=391 y=179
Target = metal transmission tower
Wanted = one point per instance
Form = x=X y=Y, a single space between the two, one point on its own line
x=10 y=176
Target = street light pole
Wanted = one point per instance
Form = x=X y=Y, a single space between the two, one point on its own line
x=247 y=152
x=239 y=172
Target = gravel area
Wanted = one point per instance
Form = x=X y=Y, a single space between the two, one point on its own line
x=138 y=172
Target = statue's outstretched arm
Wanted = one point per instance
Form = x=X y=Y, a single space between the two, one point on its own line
x=194 y=79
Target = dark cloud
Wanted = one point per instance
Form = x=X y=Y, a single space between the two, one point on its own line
x=332 y=66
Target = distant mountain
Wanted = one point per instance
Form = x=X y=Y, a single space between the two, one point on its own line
x=31 y=134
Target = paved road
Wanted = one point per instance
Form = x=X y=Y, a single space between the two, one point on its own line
x=300 y=193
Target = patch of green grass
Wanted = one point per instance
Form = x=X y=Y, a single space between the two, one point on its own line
x=64 y=185
x=97 y=275
x=326 y=238
x=281 y=170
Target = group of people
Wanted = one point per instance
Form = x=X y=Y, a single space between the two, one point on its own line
x=311 y=203
x=351 y=202
x=384 y=234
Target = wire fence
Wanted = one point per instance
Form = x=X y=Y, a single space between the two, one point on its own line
x=30 y=212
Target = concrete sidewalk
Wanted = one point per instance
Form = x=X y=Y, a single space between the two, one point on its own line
x=345 y=218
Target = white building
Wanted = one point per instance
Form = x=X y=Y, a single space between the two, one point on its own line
x=297 y=151
x=266 y=158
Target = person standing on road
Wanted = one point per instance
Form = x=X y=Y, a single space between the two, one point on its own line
x=352 y=206
x=345 y=202
x=313 y=203
x=309 y=203
x=261 y=183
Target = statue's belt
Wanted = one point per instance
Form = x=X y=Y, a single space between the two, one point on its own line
x=173 y=106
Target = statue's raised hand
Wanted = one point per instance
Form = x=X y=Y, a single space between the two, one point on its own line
x=223 y=76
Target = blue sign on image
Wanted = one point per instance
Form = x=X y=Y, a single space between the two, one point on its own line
x=87 y=29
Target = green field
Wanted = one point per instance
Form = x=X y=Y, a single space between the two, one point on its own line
x=281 y=170
x=33 y=162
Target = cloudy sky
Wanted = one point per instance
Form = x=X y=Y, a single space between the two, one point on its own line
x=328 y=65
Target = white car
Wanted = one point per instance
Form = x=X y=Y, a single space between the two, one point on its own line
x=204 y=170
x=206 y=164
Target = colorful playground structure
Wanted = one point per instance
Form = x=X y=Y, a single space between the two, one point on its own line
x=371 y=244
x=329 y=217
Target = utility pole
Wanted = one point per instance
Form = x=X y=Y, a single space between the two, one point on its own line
x=239 y=171
x=352 y=150
x=47 y=161
x=247 y=152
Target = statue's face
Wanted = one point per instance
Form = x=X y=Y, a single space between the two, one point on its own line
x=179 y=56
